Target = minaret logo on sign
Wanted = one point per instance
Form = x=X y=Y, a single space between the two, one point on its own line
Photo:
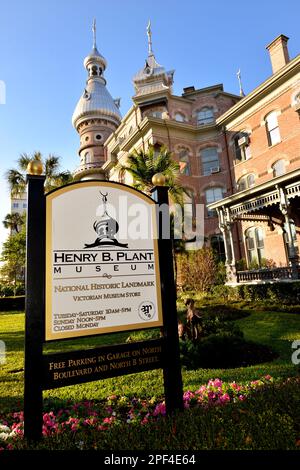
x=106 y=229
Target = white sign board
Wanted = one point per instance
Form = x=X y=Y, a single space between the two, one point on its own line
x=102 y=267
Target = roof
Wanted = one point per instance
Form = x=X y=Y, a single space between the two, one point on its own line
x=96 y=101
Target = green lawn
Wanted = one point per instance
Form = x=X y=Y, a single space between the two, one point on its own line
x=277 y=330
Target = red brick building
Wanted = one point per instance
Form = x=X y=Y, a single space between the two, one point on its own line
x=186 y=125
x=260 y=221
x=238 y=156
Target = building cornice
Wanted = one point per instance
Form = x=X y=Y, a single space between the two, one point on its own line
x=262 y=90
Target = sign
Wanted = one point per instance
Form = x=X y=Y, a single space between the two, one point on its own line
x=102 y=272
x=88 y=273
x=62 y=369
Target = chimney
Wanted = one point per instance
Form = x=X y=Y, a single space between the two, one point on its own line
x=279 y=53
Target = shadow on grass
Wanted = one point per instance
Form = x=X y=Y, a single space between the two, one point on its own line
x=14 y=340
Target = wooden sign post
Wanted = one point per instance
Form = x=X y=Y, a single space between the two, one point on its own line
x=85 y=277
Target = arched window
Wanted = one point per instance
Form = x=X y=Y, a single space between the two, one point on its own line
x=272 y=128
x=210 y=161
x=205 y=116
x=156 y=114
x=294 y=238
x=122 y=175
x=278 y=168
x=217 y=245
x=246 y=182
x=179 y=117
x=157 y=149
x=189 y=205
x=242 y=147
x=255 y=246
x=184 y=162
x=87 y=157
x=212 y=195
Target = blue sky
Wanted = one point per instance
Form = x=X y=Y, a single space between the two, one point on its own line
x=43 y=44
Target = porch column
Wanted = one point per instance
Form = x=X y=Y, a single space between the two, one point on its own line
x=292 y=255
x=225 y=225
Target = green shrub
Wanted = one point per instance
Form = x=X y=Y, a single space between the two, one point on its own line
x=283 y=292
x=223 y=312
x=223 y=350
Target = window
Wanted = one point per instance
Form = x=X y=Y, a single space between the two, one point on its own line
x=296 y=103
x=246 y=182
x=294 y=238
x=24 y=205
x=213 y=195
x=184 y=162
x=242 y=147
x=189 y=206
x=156 y=114
x=278 y=168
x=205 y=116
x=272 y=128
x=255 y=246
x=179 y=117
x=157 y=149
x=15 y=205
x=217 y=245
x=210 y=160
x=87 y=157
x=122 y=175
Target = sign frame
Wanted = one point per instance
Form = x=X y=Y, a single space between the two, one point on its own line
x=35 y=361
x=50 y=197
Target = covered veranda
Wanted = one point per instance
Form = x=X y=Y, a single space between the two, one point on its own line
x=262 y=222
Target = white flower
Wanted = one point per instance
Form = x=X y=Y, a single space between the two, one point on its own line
x=80 y=445
x=4 y=428
x=3 y=436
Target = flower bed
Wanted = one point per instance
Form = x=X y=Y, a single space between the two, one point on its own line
x=118 y=410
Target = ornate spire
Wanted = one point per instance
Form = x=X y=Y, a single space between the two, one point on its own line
x=149 y=34
x=240 y=82
x=94 y=34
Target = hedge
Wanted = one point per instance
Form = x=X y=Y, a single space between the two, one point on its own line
x=12 y=303
x=283 y=292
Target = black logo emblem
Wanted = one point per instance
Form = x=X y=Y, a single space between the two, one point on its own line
x=146 y=311
x=106 y=228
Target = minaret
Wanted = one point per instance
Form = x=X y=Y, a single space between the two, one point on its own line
x=152 y=78
x=95 y=117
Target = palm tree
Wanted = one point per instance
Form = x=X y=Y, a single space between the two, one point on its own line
x=14 y=221
x=144 y=165
x=54 y=178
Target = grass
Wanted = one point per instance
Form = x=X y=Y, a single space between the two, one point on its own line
x=274 y=329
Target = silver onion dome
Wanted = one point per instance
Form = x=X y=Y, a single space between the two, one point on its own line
x=96 y=101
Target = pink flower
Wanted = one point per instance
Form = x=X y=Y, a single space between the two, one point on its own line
x=224 y=398
x=160 y=409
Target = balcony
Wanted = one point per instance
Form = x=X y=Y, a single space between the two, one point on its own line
x=284 y=273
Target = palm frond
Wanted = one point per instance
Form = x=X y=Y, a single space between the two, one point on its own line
x=51 y=165
x=23 y=161
x=16 y=182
